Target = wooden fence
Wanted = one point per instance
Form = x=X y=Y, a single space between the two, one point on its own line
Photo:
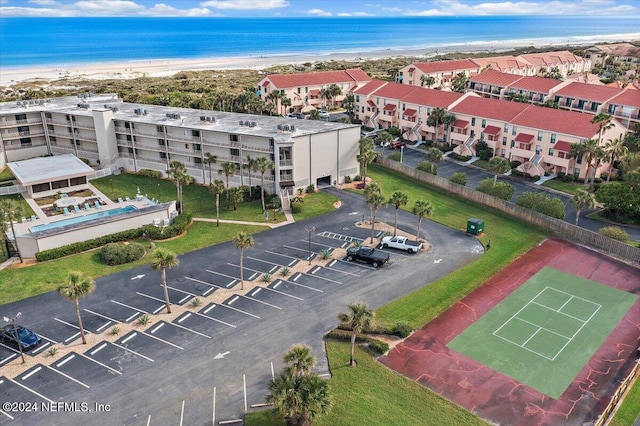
x=559 y=228
x=618 y=396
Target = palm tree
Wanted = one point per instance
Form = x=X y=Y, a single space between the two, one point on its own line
x=164 y=259
x=12 y=210
x=218 y=188
x=421 y=209
x=228 y=168
x=427 y=80
x=582 y=199
x=314 y=115
x=385 y=137
x=349 y=103
x=262 y=165
x=77 y=286
x=333 y=91
x=447 y=122
x=210 y=159
x=178 y=171
x=498 y=165
x=285 y=102
x=366 y=156
x=357 y=319
x=250 y=165
x=242 y=241
x=300 y=360
x=299 y=399
x=435 y=119
x=375 y=200
x=398 y=199
x=615 y=149
x=236 y=196
x=434 y=155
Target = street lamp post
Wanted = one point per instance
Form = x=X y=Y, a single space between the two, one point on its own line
x=15 y=332
x=310 y=230
x=401 y=153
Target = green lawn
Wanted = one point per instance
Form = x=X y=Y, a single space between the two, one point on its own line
x=20 y=283
x=544 y=332
x=560 y=185
x=371 y=395
x=26 y=210
x=316 y=204
x=6 y=175
x=483 y=164
x=629 y=410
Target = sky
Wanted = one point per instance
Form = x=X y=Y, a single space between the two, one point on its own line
x=315 y=8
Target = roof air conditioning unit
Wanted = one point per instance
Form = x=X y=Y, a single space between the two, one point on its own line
x=168 y=115
x=203 y=118
x=213 y=119
x=247 y=123
x=293 y=128
x=286 y=127
x=145 y=112
x=279 y=126
x=241 y=123
x=254 y=124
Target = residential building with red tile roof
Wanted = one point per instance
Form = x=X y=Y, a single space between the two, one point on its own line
x=566 y=62
x=439 y=72
x=492 y=84
x=625 y=107
x=619 y=52
x=507 y=64
x=305 y=89
x=584 y=97
x=536 y=89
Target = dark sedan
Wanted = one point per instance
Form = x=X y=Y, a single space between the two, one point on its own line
x=27 y=338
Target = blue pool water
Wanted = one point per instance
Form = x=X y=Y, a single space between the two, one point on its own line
x=78 y=219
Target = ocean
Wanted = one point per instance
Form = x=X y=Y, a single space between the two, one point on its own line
x=64 y=41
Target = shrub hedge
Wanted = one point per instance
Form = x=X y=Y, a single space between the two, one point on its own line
x=150 y=173
x=459 y=157
x=502 y=190
x=87 y=245
x=377 y=345
x=296 y=207
x=460 y=178
x=178 y=226
x=615 y=232
x=542 y=203
x=120 y=253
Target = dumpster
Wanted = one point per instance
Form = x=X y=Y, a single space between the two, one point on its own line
x=475 y=226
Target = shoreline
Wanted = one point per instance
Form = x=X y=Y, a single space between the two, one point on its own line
x=136 y=68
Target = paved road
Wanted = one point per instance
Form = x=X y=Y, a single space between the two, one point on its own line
x=169 y=372
x=413 y=157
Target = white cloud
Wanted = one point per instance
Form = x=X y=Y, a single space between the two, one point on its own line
x=162 y=9
x=318 y=12
x=245 y=4
x=109 y=7
x=40 y=2
x=100 y=8
x=355 y=14
x=556 y=7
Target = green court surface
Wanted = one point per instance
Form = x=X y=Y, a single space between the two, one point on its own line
x=545 y=332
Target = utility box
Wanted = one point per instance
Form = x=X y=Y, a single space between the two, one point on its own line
x=475 y=226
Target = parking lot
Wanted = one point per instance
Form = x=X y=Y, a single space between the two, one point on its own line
x=210 y=363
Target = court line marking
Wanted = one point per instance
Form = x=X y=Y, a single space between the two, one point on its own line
x=30 y=390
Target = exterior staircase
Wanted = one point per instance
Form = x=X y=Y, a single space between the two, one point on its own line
x=465 y=148
x=533 y=166
x=414 y=130
x=372 y=120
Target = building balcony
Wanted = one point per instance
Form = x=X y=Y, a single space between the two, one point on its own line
x=147 y=159
x=266 y=149
x=151 y=147
x=12 y=147
x=26 y=134
x=557 y=161
x=183 y=138
x=12 y=123
x=89 y=138
x=88 y=148
x=286 y=177
x=523 y=153
x=57 y=149
x=286 y=163
x=190 y=152
x=458 y=137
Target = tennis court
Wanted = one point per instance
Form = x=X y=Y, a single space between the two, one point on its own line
x=546 y=330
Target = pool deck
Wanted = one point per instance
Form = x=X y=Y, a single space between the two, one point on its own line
x=23 y=228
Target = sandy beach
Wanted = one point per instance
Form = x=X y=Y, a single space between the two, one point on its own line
x=162 y=67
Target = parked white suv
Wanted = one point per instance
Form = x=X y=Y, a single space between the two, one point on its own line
x=324 y=114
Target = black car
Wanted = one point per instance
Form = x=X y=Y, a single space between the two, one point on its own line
x=368 y=255
x=27 y=338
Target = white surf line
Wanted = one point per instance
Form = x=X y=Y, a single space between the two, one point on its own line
x=30 y=390
x=188 y=329
x=103 y=316
x=138 y=311
x=101 y=364
x=280 y=292
x=264 y=303
x=322 y=278
x=133 y=352
x=2 y=361
x=71 y=325
x=214 y=319
x=239 y=310
x=162 y=340
x=205 y=283
x=68 y=377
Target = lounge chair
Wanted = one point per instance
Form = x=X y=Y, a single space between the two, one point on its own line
x=33 y=217
x=24 y=219
x=97 y=204
x=76 y=209
x=87 y=206
x=66 y=211
x=120 y=199
x=127 y=198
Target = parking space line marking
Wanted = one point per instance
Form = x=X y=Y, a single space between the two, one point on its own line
x=103 y=316
x=283 y=255
x=272 y=270
x=293 y=262
x=179 y=290
x=296 y=277
x=182 y=413
x=165 y=341
x=133 y=316
x=106 y=324
x=10 y=348
x=245 y=268
x=68 y=377
x=46 y=338
x=214 y=406
x=101 y=364
x=204 y=282
x=317 y=244
x=7 y=359
x=344 y=272
x=161 y=307
x=256 y=291
x=206 y=293
x=260 y=301
x=31 y=390
x=244 y=387
x=323 y=278
x=32 y=373
x=6 y=415
x=240 y=310
x=344 y=244
x=98 y=349
x=157 y=328
x=253 y=276
x=72 y=337
x=188 y=296
x=134 y=334
x=357 y=265
x=61 y=363
x=188 y=329
x=316 y=269
x=301 y=249
x=41 y=347
x=219 y=273
x=277 y=283
x=130 y=307
x=133 y=352
x=234 y=299
x=333 y=262
x=184 y=317
x=280 y=292
x=231 y=284
x=71 y=325
x=150 y=297
x=306 y=286
x=209 y=308
x=215 y=319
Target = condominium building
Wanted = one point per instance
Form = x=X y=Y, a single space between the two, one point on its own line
x=107 y=132
x=499 y=85
x=437 y=74
x=305 y=91
x=618 y=52
x=564 y=61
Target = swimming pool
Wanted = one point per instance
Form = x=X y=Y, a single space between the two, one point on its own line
x=79 y=219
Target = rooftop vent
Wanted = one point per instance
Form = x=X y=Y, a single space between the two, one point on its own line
x=145 y=112
x=247 y=122
x=84 y=106
x=253 y=124
x=138 y=111
x=279 y=126
x=172 y=115
x=241 y=123
x=293 y=128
